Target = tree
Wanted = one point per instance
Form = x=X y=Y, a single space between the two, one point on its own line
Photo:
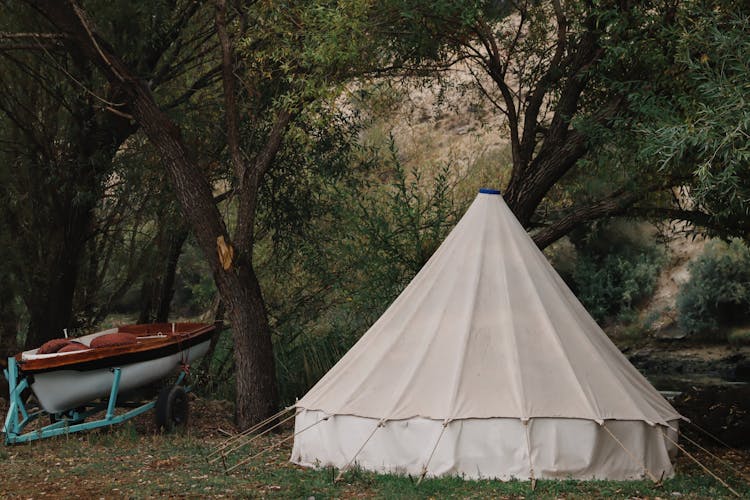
x=59 y=155
x=705 y=128
x=278 y=82
x=565 y=79
x=232 y=269
x=56 y=159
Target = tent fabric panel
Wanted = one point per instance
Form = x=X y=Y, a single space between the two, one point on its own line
x=493 y=448
x=487 y=329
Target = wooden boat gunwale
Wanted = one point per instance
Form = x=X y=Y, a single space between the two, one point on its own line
x=185 y=336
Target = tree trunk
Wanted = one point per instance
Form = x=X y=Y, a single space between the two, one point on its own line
x=255 y=368
x=157 y=289
x=257 y=395
x=148 y=292
x=49 y=299
x=8 y=324
x=524 y=194
x=8 y=332
x=166 y=291
x=50 y=311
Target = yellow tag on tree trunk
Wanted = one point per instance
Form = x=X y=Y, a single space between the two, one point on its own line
x=226 y=253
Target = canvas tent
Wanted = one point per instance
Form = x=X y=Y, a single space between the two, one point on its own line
x=487 y=366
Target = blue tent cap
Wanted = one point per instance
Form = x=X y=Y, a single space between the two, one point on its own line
x=489 y=191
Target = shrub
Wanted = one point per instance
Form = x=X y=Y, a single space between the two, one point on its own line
x=616 y=269
x=371 y=238
x=614 y=284
x=718 y=291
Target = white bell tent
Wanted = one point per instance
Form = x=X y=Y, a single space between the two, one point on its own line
x=487 y=366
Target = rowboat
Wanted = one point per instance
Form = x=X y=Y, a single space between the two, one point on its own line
x=77 y=379
x=65 y=380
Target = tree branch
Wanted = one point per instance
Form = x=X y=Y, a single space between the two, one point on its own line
x=614 y=204
x=253 y=178
x=231 y=111
x=204 y=81
x=543 y=86
x=42 y=36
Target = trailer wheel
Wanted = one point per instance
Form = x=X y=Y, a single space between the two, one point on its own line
x=171 y=408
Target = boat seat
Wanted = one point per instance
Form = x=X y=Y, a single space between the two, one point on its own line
x=52 y=346
x=113 y=339
x=73 y=347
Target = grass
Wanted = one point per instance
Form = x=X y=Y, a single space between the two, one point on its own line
x=131 y=461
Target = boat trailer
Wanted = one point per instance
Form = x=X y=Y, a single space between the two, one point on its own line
x=171 y=409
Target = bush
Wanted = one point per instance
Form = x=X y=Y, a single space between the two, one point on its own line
x=739 y=336
x=613 y=285
x=718 y=292
x=370 y=238
x=616 y=269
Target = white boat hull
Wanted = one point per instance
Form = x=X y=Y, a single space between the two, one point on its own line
x=64 y=389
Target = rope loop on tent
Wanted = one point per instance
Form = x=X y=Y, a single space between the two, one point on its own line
x=682 y=449
x=631 y=455
x=437 y=441
x=380 y=424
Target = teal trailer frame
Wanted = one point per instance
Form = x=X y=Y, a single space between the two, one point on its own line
x=67 y=422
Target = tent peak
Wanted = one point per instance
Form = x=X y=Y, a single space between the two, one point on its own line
x=488 y=191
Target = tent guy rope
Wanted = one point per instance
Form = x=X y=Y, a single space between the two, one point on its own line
x=722 y=461
x=273 y=446
x=380 y=424
x=429 y=458
x=682 y=449
x=247 y=431
x=246 y=442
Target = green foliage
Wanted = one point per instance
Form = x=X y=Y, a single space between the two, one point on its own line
x=703 y=129
x=371 y=238
x=88 y=217
x=615 y=270
x=718 y=291
x=213 y=376
x=194 y=287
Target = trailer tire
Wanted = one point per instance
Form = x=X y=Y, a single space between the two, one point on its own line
x=171 y=408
